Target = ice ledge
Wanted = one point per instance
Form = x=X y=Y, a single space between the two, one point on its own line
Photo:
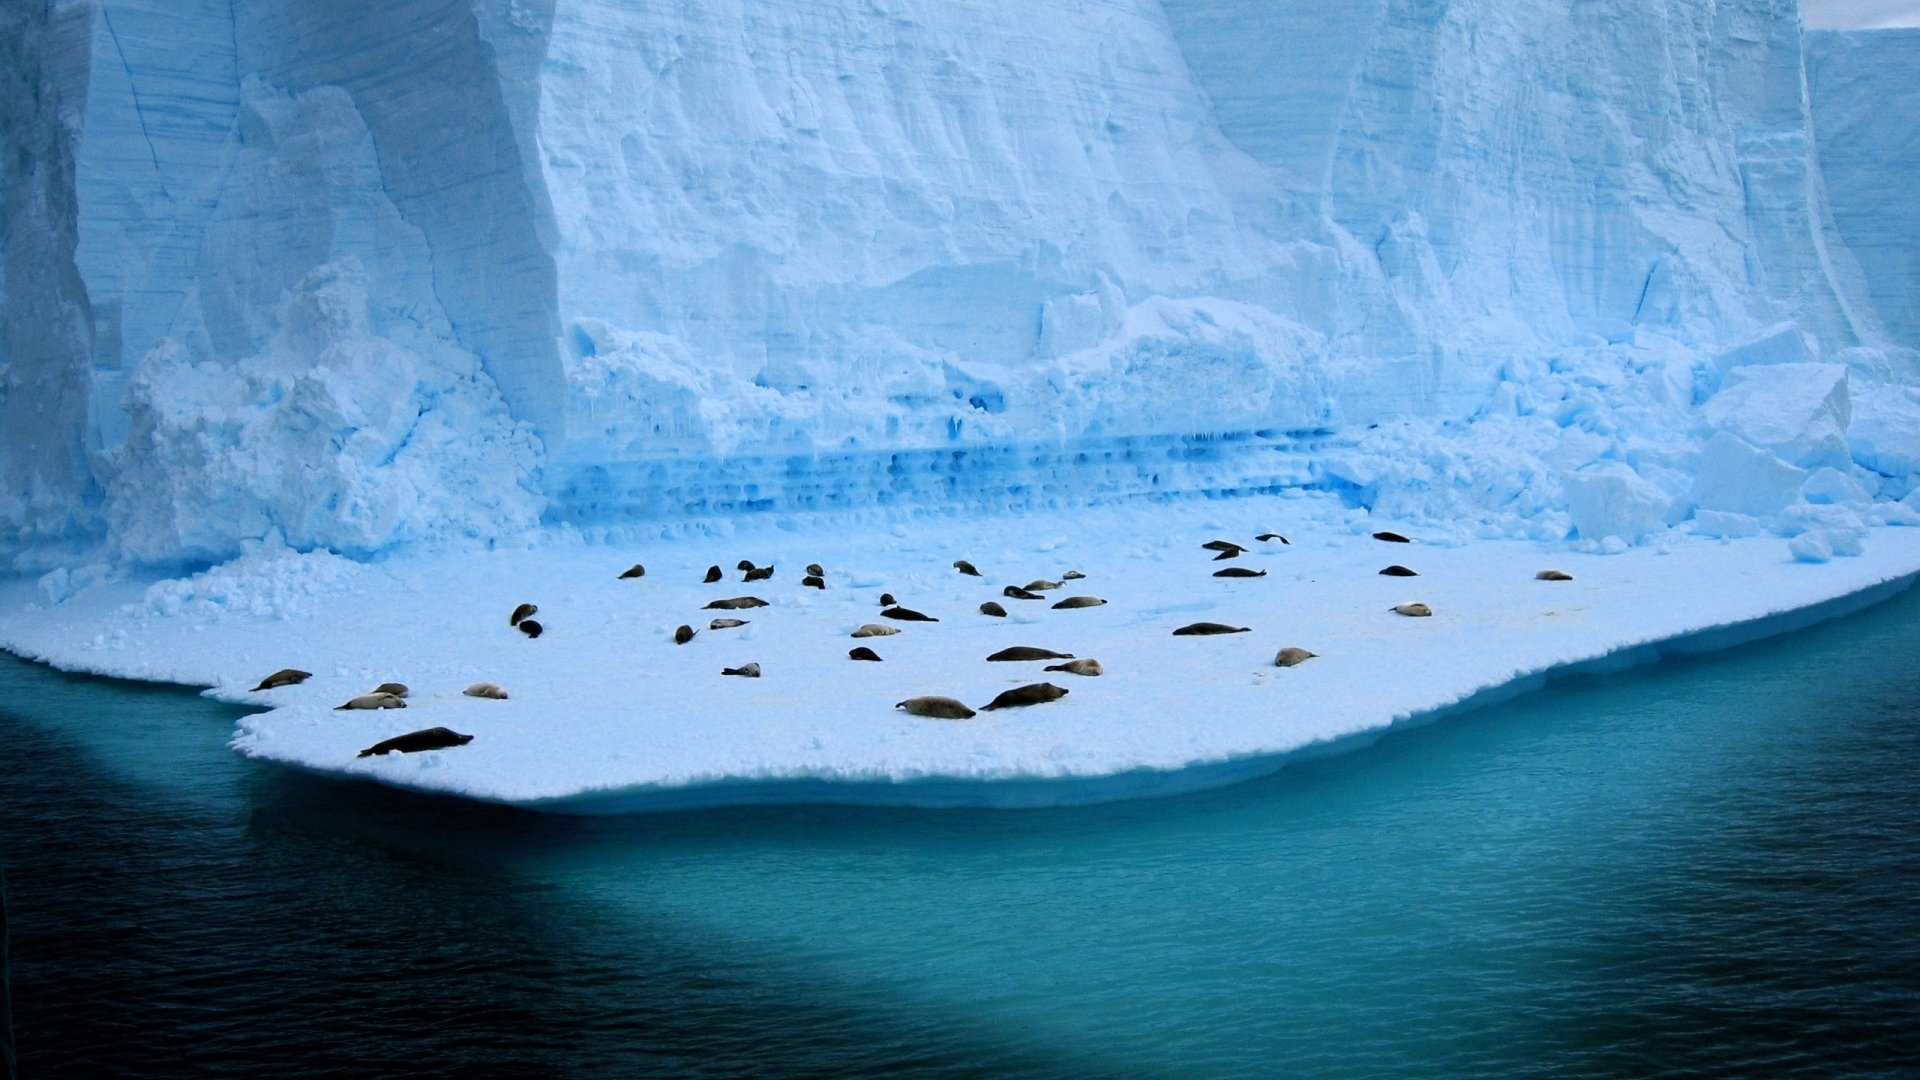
x=607 y=715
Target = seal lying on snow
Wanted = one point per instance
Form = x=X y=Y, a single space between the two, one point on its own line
x=940 y=708
x=373 y=701
x=286 y=676
x=1203 y=628
x=1030 y=694
x=1028 y=652
x=433 y=738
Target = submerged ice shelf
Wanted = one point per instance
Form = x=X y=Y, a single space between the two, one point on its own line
x=607 y=714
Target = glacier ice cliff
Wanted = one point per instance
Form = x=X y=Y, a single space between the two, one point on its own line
x=361 y=274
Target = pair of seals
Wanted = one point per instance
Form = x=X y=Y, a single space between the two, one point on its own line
x=375 y=700
x=433 y=738
x=286 y=676
x=1203 y=629
x=1072 y=602
x=1027 y=652
x=486 y=690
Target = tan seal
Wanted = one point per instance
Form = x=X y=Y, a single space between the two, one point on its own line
x=1291 y=655
x=394 y=688
x=1030 y=694
x=940 y=708
x=875 y=630
x=286 y=676
x=1079 y=667
x=372 y=701
x=486 y=690
x=725 y=624
x=1414 y=608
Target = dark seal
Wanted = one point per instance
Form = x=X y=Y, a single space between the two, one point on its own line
x=433 y=738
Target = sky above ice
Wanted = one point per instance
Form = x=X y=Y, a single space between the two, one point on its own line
x=1859 y=14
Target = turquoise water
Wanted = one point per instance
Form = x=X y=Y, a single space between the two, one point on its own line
x=1709 y=866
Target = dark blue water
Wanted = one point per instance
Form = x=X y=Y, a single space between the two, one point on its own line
x=1710 y=867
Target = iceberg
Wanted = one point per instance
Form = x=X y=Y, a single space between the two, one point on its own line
x=311 y=290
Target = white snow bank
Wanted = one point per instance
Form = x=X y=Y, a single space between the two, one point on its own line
x=606 y=713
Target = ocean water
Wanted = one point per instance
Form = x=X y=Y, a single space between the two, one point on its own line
x=1707 y=867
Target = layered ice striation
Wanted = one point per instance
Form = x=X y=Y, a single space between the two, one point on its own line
x=359 y=275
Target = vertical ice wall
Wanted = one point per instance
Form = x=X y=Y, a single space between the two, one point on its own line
x=329 y=268
x=1862 y=86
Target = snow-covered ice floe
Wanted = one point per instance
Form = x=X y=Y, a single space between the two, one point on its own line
x=606 y=713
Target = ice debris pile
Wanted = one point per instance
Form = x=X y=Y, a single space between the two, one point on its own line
x=1516 y=269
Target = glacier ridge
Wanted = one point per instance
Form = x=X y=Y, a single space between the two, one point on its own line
x=362 y=275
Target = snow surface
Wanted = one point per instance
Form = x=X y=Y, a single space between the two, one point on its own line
x=607 y=714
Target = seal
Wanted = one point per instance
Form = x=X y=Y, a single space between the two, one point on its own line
x=1030 y=694
x=965 y=567
x=1396 y=570
x=1290 y=656
x=1072 y=575
x=1223 y=545
x=735 y=603
x=743 y=564
x=861 y=652
x=520 y=613
x=1041 y=585
x=1028 y=652
x=886 y=599
x=486 y=690
x=994 y=609
x=1015 y=592
x=531 y=628
x=713 y=575
x=906 y=615
x=1414 y=608
x=1079 y=667
x=286 y=676
x=1265 y=537
x=726 y=624
x=1072 y=602
x=816 y=570
x=683 y=635
x=394 y=688
x=749 y=670
x=1391 y=537
x=433 y=738
x=1201 y=629
x=876 y=630
x=372 y=701
x=758 y=573
x=940 y=708
x=1239 y=571
x=634 y=571
x=1553 y=575
x=814 y=581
